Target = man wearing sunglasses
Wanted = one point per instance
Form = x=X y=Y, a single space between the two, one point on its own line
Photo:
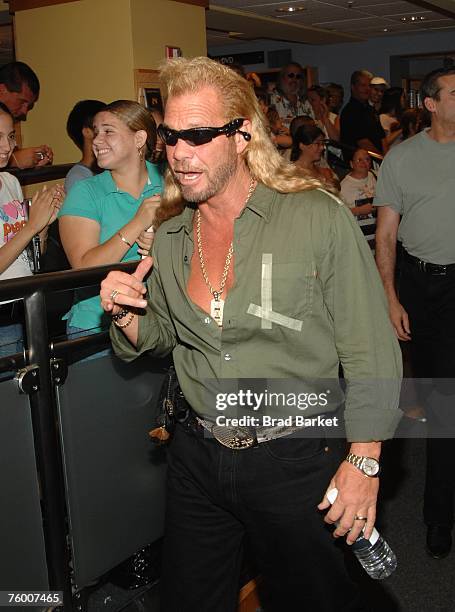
x=288 y=98
x=259 y=279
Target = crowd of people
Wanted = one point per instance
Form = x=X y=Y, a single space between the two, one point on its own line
x=263 y=183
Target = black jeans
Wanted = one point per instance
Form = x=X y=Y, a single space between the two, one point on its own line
x=430 y=303
x=269 y=493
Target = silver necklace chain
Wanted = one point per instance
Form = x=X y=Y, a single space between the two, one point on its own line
x=217 y=294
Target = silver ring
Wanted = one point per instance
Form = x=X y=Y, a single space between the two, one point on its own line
x=40 y=155
x=114 y=294
x=360 y=518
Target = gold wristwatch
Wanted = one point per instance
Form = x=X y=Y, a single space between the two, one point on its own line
x=367 y=465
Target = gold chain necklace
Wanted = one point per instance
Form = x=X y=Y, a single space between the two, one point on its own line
x=217 y=304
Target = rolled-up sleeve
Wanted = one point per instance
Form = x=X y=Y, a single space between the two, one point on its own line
x=156 y=332
x=365 y=341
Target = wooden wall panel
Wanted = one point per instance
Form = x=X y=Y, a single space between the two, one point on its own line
x=22 y=5
x=203 y=3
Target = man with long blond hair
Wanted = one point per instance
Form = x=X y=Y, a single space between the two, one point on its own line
x=262 y=277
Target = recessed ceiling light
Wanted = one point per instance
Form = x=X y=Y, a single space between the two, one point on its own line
x=290 y=9
x=385 y=30
x=413 y=18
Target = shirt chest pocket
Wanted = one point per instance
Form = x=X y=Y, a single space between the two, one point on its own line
x=293 y=288
x=286 y=293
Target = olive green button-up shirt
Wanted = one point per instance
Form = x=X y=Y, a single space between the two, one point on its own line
x=306 y=297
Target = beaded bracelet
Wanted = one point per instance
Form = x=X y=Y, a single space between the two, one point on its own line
x=120 y=314
x=128 y=322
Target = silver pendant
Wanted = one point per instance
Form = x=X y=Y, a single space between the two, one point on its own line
x=216 y=311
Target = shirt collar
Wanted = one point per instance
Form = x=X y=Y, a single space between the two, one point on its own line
x=261 y=203
x=110 y=186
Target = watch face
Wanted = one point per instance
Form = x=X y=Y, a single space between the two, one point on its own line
x=370 y=466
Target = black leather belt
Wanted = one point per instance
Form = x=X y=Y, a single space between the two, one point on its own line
x=427 y=267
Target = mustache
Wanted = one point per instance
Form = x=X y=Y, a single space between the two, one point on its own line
x=186 y=169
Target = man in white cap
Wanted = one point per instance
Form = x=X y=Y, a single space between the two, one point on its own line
x=378 y=85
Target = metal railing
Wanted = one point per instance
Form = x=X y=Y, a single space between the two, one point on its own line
x=36 y=378
x=41 y=174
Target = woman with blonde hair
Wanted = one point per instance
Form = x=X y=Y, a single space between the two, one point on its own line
x=109 y=218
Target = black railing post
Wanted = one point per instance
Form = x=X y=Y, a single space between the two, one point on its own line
x=44 y=419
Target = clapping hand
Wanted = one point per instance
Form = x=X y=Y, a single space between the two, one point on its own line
x=45 y=206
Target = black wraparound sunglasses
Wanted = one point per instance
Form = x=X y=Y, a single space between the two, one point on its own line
x=200 y=135
x=294 y=75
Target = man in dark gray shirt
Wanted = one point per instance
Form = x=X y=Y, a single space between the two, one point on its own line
x=417 y=183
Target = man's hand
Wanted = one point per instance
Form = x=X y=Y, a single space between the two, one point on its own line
x=357 y=495
x=129 y=288
x=400 y=320
x=30 y=157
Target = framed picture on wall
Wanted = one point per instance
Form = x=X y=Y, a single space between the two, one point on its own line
x=148 y=89
x=152 y=99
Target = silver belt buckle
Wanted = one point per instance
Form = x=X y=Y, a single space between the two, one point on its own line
x=235 y=438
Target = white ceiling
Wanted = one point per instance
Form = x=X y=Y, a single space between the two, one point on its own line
x=338 y=19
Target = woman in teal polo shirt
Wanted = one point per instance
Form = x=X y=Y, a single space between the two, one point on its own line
x=109 y=217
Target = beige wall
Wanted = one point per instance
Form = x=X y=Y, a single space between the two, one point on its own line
x=79 y=50
x=157 y=23
x=89 y=49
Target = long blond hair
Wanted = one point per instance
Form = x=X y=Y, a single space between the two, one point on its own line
x=182 y=76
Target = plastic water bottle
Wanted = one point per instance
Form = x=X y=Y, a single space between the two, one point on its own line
x=375 y=555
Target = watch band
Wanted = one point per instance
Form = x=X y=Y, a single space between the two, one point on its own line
x=356 y=460
x=367 y=465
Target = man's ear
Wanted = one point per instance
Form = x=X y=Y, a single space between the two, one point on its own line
x=3 y=89
x=241 y=139
x=429 y=104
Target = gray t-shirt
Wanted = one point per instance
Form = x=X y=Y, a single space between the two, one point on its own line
x=417 y=180
x=77 y=173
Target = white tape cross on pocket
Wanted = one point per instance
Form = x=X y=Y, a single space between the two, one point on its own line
x=265 y=311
